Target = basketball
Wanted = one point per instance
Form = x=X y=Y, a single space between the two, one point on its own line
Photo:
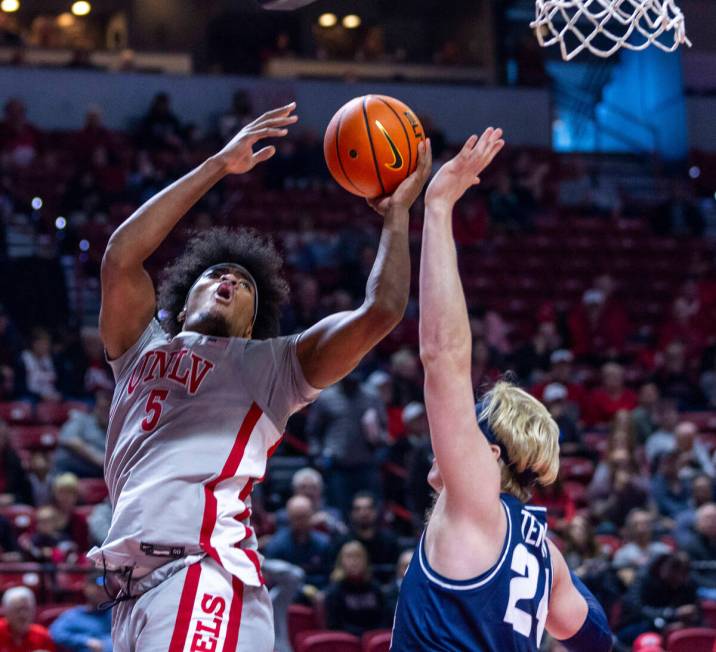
x=371 y=145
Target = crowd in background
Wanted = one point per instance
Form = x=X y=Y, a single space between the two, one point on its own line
x=634 y=510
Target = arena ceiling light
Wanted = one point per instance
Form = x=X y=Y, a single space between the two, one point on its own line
x=327 y=20
x=81 y=8
x=351 y=21
x=9 y=6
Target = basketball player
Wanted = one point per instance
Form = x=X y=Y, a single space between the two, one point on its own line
x=484 y=577
x=202 y=399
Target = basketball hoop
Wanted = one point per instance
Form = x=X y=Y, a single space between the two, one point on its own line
x=604 y=26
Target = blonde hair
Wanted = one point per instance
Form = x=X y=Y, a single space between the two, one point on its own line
x=339 y=574
x=529 y=435
x=66 y=481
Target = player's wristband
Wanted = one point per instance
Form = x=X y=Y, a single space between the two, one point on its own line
x=594 y=635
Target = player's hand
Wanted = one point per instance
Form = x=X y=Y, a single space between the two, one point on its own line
x=94 y=644
x=238 y=156
x=409 y=190
x=461 y=172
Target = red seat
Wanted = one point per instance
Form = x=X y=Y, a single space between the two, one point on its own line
x=92 y=490
x=32 y=437
x=300 y=619
x=16 y=412
x=48 y=614
x=329 y=642
x=694 y=639
x=377 y=640
x=21 y=574
x=708 y=609
x=57 y=413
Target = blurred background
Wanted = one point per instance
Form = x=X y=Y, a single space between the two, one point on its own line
x=588 y=256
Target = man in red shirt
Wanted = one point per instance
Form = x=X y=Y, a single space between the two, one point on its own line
x=17 y=631
x=610 y=397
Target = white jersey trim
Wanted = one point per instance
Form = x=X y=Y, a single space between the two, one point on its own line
x=475 y=585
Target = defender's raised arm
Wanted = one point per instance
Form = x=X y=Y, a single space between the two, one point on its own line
x=128 y=297
x=445 y=340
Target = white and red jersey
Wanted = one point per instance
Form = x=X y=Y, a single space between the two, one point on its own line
x=193 y=422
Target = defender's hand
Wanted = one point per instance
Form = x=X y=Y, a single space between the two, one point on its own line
x=409 y=190
x=238 y=156
x=461 y=172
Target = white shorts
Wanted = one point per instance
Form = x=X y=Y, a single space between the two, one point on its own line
x=201 y=608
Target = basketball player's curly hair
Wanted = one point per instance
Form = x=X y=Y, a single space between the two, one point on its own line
x=246 y=247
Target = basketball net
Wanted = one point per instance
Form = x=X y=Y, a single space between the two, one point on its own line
x=604 y=26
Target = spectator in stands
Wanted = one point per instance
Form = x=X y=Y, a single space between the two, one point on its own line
x=392 y=590
x=8 y=543
x=590 y=561
x=507 y=212
x=18 y=138
x=351 y=425
x=97 y=374
x=419 y=459
x=161 y=129
x=40 y=477
x=707 y=382
x=99 y=521
x=83 y=440
x=14 y=483
x=670 y=492
x=532 y=360
x=309 y=483
x=694 y=456
x=380 y=542
x=662 y=594
x=39 y=369
x=238 y=116
x=555 y=397
x=598 y=326
x=561 y=372
x=300 y=545
x=407 y=377
x=645 y=414
x=610 y=397
x=65 y=496
x=685 y=325
x=86 y=628
x=10 y=348
x=484 y=371
x=639 y=547
x=400 y=451
x=703 y=491
x=354 y=602
x=667 y=418
x=93 y=136
x=17 y=631
x=675 y=380
x=617 y=488
x=48 y=543
x=699 y=542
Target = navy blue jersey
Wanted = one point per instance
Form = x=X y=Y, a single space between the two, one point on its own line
x=502 y=610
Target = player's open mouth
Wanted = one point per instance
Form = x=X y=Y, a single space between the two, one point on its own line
x=224 y=293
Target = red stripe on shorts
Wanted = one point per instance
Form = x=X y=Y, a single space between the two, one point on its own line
x=234 y=624
x=186 y=606
x=229 y=471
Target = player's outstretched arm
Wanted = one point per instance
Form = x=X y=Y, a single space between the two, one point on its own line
x=575 y=618
x=128 y=300
x=332 y=348
x=462 y=453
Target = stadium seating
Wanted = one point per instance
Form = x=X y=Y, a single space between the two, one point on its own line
x=301 y=619
x=695 y=639
x=328 y=641
x=376 y=641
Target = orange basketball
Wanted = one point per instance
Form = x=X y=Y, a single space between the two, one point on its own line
x=371 y=145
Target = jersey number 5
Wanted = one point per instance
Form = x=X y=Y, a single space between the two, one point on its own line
x=154 y=407
x=525 y=564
